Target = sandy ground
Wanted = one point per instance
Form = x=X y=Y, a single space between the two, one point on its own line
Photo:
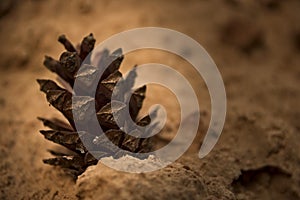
x=256 y=45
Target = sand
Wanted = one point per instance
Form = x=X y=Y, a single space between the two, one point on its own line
x=256 y=46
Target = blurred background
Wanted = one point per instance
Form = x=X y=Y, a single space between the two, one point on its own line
x=255 y=44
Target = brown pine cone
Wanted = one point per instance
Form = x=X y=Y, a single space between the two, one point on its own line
x=65 y=134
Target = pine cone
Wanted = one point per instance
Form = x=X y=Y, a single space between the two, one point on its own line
x=67 y=68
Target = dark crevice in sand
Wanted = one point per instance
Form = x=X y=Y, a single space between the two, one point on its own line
x=267 y=182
